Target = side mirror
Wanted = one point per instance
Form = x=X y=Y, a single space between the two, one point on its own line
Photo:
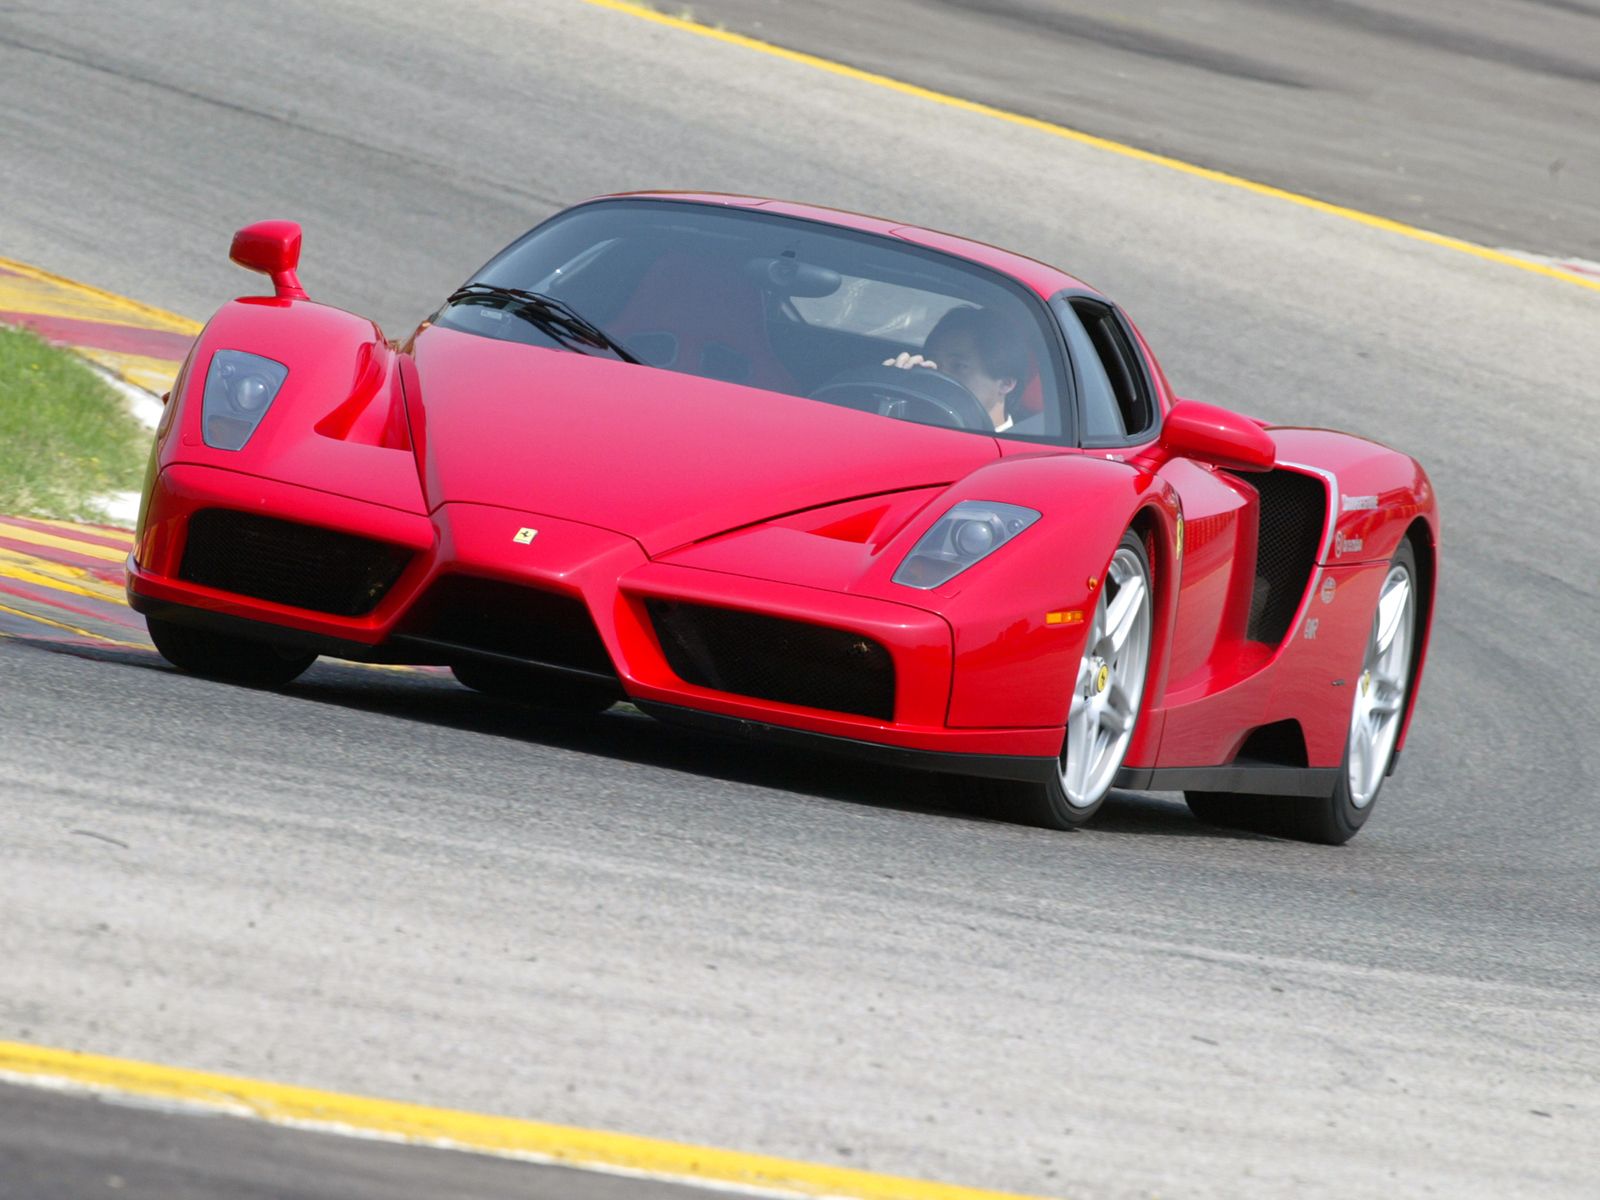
x=273 y=248
x=1214 y=435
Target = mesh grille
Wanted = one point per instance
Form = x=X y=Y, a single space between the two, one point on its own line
x=492 y=617
x=771 y=658
x=1293 y=514
x=288 y=563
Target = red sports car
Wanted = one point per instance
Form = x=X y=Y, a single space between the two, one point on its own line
x=788 y=472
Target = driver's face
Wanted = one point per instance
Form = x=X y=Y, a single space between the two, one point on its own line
x=957 y=356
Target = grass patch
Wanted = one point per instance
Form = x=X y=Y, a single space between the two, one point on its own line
x=65 y=435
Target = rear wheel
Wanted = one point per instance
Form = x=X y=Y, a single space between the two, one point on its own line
x=540 y=689
x=1106 y=696
x=1378 y=710
x=226 y=657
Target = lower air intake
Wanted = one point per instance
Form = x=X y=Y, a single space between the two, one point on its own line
x=288 y=563
x=507 y=620
x=770 y=658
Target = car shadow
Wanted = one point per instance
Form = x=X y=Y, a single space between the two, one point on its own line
x=623 y=734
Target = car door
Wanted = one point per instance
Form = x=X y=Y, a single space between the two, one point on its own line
x=1209 y=656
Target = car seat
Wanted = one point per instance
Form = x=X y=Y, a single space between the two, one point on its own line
x=704 y=317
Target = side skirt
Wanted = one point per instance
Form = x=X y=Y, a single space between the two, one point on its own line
x=1251 y=778
x=990 y=766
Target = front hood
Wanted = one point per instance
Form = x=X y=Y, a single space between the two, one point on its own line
x=662 y=457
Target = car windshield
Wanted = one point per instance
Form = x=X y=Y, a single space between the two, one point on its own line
x=782 y=304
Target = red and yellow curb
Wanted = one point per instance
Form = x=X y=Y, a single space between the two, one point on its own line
x=140 y=344
x=75 y=572
x=56 y=573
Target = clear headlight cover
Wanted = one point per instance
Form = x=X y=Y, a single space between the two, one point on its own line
x=968 y=533
x=239 y=389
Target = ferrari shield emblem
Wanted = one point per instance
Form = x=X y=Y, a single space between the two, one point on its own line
x=525 y=535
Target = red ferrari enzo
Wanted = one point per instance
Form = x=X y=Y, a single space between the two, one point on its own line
x=794 y=473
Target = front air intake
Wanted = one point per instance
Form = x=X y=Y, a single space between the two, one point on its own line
x=462 y=616
x=771 y=658
x=284 y=562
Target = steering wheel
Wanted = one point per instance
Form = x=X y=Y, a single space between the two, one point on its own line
x=919 y=394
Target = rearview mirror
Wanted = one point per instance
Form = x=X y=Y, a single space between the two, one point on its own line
x=273 y=248
x=1214 y=435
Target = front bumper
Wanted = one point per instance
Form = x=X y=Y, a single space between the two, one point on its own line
x=614 y=580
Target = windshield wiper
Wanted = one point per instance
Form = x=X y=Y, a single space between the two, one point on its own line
x=555 y=317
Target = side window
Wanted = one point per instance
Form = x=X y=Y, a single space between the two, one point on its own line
x=1102 y=419
x=1109 y=362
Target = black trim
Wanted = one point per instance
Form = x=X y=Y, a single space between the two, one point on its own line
x=442 y=653
x=261 y=631
x=1140 y=364
x=402 y=649
x=1251 y=778
x=989 y=766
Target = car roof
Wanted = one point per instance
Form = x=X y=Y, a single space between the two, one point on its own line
x=1040 y=277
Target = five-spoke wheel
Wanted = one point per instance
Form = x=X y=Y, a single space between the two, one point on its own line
x=1106 y=695
x=1377 y=713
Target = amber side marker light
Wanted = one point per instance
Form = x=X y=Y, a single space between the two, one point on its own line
x=1064 y=616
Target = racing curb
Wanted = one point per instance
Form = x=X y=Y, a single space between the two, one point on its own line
x=135 y=347
x=140 y=345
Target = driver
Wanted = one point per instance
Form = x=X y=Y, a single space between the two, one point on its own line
x=979 y=350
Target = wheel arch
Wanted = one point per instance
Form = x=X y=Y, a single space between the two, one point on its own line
x=1424 y=544
x=1009 y=656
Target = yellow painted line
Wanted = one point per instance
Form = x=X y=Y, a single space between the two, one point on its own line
x=41 y=572
x=74 y=299
x=1370 y=220
x=17 y=612
x=25 y=575
x=43 y=620
x=511 y=1136
x=35 y=537
x=154 y=375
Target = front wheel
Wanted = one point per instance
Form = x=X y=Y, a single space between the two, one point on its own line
x=1106 y=696
x=223 y=656
x=1378 y=710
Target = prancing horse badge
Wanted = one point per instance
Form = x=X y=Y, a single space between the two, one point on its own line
x=525 y=535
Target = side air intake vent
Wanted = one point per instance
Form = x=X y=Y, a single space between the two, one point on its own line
x=771 y=658
x=288 y=563
x=1294 y=512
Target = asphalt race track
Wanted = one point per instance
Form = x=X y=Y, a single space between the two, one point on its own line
x=1474 y=118
x=380 y=883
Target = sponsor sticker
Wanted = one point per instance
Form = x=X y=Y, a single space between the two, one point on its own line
x=1328 y=589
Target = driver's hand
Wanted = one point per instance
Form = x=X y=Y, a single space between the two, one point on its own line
x=906 y=359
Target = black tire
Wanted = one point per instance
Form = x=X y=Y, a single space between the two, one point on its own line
x=1047 y=803
x=542 y=690
x=222 y=656
x=1327 y=820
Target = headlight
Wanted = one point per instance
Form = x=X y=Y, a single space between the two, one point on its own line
x=970 y=531
x=239 y=389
